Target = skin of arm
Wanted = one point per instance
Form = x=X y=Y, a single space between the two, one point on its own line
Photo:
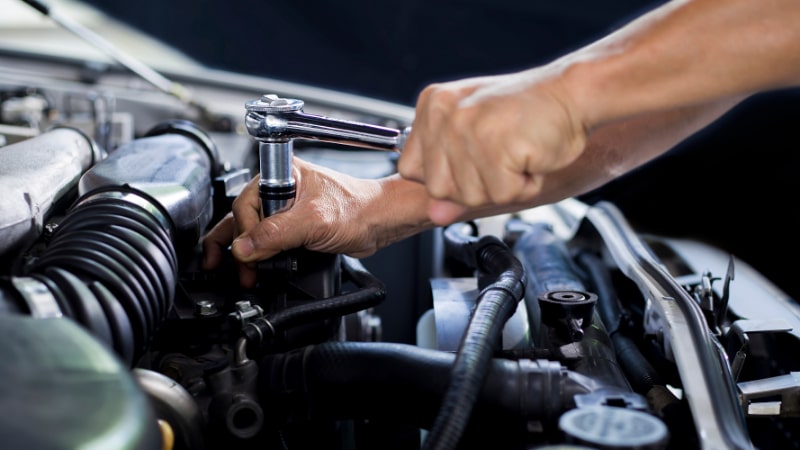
x=337 y=213
x=489 y=145
x=489 y=140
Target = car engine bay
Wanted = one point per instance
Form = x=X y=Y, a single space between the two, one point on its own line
x=556 y=327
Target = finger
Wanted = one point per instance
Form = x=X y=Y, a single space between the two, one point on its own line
x=500 y=181
x=531 y=190
x=433 y=109
x=248 y=276
x=261 y=238
x=471 y=170
x=442 y=159
x=219 y=238
x=469 y=185
x=247 y=206
x=444 y=212
x=409 y=165
x=502 y=185
x=439 y=178
x=269 y=237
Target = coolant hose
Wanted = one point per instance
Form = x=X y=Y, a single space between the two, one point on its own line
x=552 y=271
x=371 y=291
x=495 y=304
x=351 y=380
x=641 y=374
x=548 y=260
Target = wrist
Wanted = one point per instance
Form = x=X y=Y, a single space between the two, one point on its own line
x=399 y=210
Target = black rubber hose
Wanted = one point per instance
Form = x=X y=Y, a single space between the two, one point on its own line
x=112 y=268
x=360 y=380
x=641 y=374
x=371 y=292
x=551 y=269
x=607 y=305
x=495 y=304
x=458 y=243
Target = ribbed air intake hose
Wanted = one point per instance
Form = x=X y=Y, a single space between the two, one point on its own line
x=111 y=263
x=112 y=268
x=502 y=280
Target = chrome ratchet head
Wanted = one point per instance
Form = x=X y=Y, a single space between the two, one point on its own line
x=268 y=117
x=275 y=122
x=275 y=118
x=266 y=122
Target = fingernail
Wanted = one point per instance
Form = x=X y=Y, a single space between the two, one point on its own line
x=242 y=247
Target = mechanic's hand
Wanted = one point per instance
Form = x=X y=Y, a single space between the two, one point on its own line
x=332 y=213
x=487 y=141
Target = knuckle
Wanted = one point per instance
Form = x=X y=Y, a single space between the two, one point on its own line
x=463 y=120
x=266 y=232
x=474 y=200
x=407 y=167
x=319 y=216
x=502 y=195
x=439 y=189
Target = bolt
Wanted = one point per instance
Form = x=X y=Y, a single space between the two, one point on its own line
x=274 y=100
x=49 y=230
x=205 y=308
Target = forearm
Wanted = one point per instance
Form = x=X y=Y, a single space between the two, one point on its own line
x=685 y=53
x=622 y=146
x=365 y=215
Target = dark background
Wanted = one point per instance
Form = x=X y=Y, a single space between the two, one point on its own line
x=734 y=184
x=388 y=50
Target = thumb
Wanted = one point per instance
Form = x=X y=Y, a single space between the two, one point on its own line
x=269 y=237
x=410 y=164
x=444 y=212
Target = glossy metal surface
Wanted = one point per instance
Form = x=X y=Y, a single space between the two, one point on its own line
x=272 y=118
x=275 y=122
x=711 y=393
